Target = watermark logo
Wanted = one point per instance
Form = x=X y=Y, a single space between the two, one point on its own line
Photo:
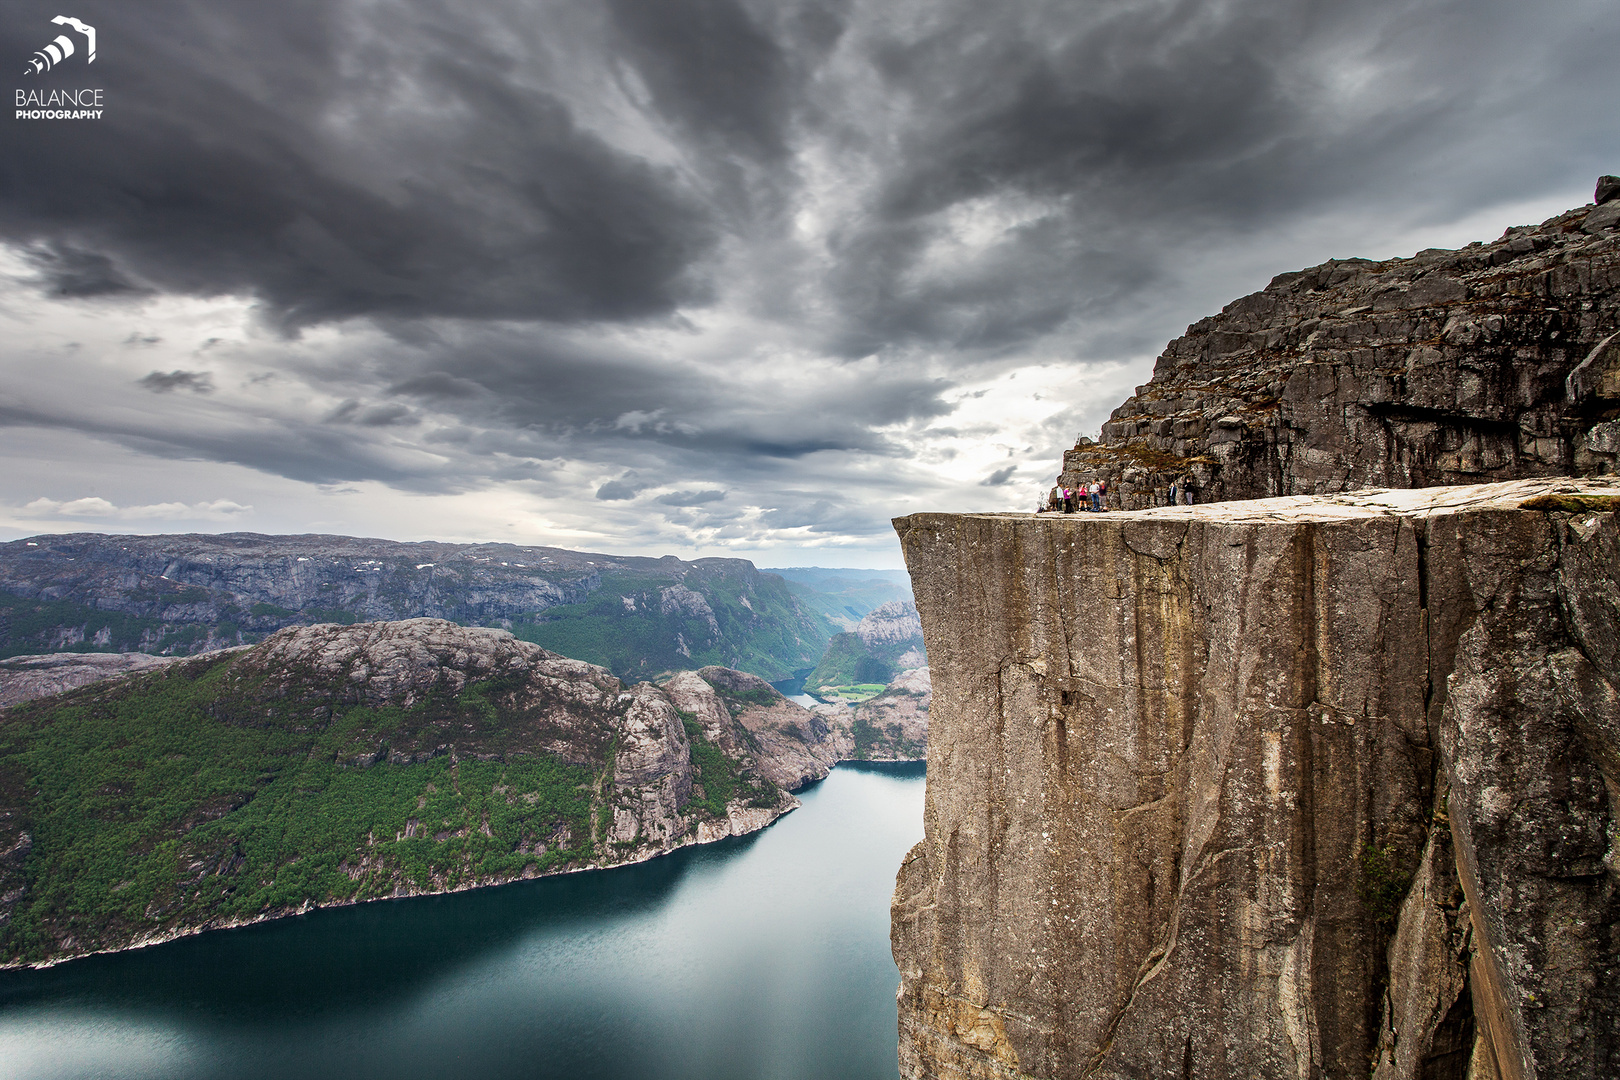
x=62 y=48
x=68 y=103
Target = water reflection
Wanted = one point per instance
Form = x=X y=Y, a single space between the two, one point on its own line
x=765 y=956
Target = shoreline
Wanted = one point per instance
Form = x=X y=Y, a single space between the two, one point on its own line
x=694 y=839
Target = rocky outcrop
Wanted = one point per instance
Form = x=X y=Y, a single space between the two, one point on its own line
x=182 y=595
x=1492 y=362
x=893 y=623
x=893 y=726
x=333 y=764
x=756 y=726
x=24 y=678
x=1304 y=787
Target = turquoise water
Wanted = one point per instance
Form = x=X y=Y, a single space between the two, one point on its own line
x=760 y=957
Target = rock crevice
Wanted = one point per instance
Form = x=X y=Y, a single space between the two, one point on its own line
x=1304 y=787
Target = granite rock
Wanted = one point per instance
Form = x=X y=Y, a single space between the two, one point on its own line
x=1303 y=787
x=23 y=678
x=1449 y=367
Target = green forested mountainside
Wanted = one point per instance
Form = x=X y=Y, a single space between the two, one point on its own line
x=223 y=790
x=843 y=596
x=180 y=595
x=848 y=662
x=721 y=612
x=886 y=641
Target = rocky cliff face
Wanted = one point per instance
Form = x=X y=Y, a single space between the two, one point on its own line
x=333 y=764
x=185 y=594
x=892 y=726
x=1305 y=787
x=745 y=716
x=1489 y=363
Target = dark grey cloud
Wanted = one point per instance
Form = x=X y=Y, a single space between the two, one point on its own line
x=1149 y=130
x=67 y=271
x=162 y=382
x=407 y=160
x=617 y=491
x=692 y=498
x=712 y=70
x=437 y=384
x=337 y=162
x=734 y=254
x=387 y=415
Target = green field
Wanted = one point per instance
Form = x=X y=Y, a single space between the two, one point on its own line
x=850 y=695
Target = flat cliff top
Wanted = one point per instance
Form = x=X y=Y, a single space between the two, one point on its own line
x=1572 y=494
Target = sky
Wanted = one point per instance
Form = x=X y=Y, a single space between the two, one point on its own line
x=700 y=277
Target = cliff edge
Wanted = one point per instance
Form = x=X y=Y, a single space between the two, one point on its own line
x=1302 y=787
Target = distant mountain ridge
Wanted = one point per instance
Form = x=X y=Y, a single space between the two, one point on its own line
x=887 y=641
x=843 y=596
x=182 y=594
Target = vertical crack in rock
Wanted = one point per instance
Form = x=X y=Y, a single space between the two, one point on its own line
x=1309 y=787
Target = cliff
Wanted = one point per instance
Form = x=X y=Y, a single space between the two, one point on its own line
x=890 y=726
x=1303 y=787
x=1493 y=362
x=336 y=764
x=181 y=595
x=24 y=678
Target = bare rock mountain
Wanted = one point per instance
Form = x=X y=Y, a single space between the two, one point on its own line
x=1302 y=787
x=24 y=678
x=1492 y=362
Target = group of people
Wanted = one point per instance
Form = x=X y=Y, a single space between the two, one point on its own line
x=1092 y=496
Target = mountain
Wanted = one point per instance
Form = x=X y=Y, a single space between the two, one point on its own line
x=886 y=641
x=843 y=596
x=180 y=595
x=890 y=726
x=335 y=764
x=1492 y=362
x=1315 y=785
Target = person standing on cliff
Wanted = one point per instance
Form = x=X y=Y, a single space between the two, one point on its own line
x=1096 y=497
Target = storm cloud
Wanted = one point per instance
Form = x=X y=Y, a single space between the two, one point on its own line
x=706 y=275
